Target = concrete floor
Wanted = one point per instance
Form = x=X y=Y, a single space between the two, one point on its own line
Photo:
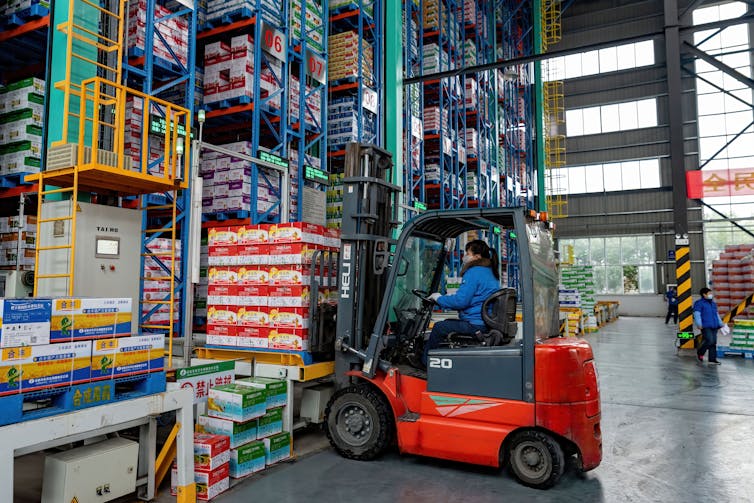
x=673 y=430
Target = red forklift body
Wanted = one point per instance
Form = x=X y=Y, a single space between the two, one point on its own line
x=473 y=429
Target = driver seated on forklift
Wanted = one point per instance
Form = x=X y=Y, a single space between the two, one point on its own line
x=480 y=279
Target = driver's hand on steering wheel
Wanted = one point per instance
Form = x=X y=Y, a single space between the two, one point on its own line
x=435 y=296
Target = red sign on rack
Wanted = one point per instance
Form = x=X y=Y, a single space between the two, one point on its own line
x=720 y=183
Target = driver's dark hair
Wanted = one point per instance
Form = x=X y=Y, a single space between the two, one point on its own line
x=479 y=247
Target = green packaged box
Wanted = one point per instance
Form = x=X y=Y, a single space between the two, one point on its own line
x=277 y=390
x=247 y=459
x=239 y=433
x=270 y=424
x=277 y=448
x=236 y=402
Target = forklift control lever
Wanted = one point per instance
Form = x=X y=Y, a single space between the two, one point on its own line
x=423 y=296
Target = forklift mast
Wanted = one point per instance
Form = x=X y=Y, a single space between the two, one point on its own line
x=370 y=214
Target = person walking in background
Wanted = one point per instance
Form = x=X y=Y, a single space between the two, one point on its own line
x=671 y=297
x=709 y=321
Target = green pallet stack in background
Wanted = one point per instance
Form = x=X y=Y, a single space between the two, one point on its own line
x=581 y=278
x=21 y=116
x=743 y=334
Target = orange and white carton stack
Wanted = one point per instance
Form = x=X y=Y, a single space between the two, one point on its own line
x=260 y=283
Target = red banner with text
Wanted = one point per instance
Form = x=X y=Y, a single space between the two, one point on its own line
x=720 y=182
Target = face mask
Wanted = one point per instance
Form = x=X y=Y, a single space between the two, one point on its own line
x=466 y=258
x=710 y=296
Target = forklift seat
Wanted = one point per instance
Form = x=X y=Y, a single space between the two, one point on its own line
x=499 y=315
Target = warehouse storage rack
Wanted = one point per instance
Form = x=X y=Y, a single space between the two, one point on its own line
x=166 y=215
x=481 y=163
x=307 y=129
x=413 y=96
x=444 y=143
x=88 y=153
x=23 y=54
x=515 y=38
x=262 y=118
x=355 y=104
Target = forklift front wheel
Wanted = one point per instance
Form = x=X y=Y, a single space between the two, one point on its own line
x=359 y=423
x=536 y=459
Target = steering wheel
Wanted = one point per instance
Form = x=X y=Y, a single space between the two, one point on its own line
x=424 y=296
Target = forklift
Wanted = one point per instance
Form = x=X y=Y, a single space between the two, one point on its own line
x=526 y=401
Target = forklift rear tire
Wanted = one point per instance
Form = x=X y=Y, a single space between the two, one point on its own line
x=359 y=423
x=536 y=459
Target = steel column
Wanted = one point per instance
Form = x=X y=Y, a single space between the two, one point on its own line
x=393 y=85
x=678 y=172
x=539 y=161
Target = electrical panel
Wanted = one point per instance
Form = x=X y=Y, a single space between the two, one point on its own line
x=107 y=258
x=91 y=474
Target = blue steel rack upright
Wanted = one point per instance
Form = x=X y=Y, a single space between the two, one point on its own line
x=365 y=18
x=514 y=21
x=158 y=76
x=262 y=119
x=24 y=45
x=413 y=128
x=478 y=115
x=441 y=144
x=307 y=130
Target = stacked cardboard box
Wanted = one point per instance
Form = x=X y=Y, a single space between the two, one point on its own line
x=436 y=15
x=312 y=103
x=259 y=284
x=229 y=70
x=9 y=7
x=471 y=94
x=227 y=183
x=368 y=6
x=435 y=59
x=137 y=125
x=218 y=10
x=157 y=283
x=569 y=297
x=200 y=291
x=335 y=201
x=50 y=343
x=434 y=120
x=211 y=466
x=174 y=30
x=343 y=124
x=581 y=278
x=250 y=413
x=743 y=334
x=313 y=16
x=21 y=121
x=412 y=42
x=733 y=279
x=344 y=61
x=9 y=229
x=573 y=320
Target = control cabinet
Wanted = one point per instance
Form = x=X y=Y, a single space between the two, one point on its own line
x=94 y=473
x=107 y=251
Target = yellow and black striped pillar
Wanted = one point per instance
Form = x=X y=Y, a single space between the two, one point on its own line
x=739 y=308
x=685 y=307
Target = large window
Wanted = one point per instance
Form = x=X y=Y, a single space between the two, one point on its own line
x=622 y=265
x=726 y=136
x=611 y=118
x=610 y=177
x=610 y=59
